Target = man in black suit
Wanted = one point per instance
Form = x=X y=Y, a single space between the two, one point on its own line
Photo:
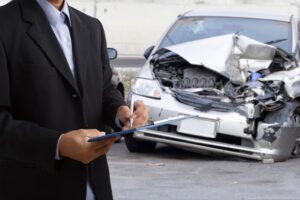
x=55 y=93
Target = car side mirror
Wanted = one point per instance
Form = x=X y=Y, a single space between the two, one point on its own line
x=112 y=53
x=148 y=52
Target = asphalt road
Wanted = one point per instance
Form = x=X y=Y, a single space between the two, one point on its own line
x=172 y=174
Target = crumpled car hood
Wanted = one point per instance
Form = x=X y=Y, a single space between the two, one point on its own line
x=232 y=55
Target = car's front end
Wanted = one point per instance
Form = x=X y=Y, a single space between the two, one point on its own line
x=243 y=91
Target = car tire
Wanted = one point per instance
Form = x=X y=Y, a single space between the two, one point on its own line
x=139 y=146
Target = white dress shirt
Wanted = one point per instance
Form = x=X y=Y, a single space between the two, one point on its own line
x=60 y=23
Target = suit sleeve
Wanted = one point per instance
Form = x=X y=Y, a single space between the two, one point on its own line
x=23 y=141
x=112 y=98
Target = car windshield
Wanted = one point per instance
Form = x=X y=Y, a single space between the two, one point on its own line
x=277 y=33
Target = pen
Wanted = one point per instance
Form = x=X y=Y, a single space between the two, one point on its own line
x=131 y=110
x=148 y=126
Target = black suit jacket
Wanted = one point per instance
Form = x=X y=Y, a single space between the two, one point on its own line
x=40 y=100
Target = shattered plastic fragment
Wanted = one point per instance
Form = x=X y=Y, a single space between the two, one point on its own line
x=270 y=133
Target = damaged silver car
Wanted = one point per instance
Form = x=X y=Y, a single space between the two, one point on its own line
x=239 y=74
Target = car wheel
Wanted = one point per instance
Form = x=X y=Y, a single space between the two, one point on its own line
x=139 y=146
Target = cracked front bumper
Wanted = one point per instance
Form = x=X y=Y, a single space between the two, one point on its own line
x=229 y=126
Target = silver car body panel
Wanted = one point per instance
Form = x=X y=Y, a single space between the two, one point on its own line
x=243 y=53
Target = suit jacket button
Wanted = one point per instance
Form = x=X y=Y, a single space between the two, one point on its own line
x=75 y=96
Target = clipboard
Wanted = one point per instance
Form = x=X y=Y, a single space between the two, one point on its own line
x=148 y=126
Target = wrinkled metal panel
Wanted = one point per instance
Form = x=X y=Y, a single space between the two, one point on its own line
x=232 y=55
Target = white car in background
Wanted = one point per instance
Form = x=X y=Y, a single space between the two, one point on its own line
x=237 y=71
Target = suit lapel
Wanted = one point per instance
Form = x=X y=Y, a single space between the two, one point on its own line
x=41 y=33
x=80 y=38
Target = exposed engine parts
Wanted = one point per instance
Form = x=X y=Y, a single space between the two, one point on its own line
x=206 y=90
x=199 y=78
x=188 y=77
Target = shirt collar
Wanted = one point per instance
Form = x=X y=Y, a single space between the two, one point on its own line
x=52 y=13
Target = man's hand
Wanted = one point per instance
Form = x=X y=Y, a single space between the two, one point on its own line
x=140 y=115
x=75 y=145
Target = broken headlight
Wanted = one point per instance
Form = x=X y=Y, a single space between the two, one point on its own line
x=147 y=87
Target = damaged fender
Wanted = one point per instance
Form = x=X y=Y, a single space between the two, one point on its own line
x=279 y=131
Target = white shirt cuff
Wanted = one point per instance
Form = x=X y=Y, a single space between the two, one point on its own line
x=57 y=156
